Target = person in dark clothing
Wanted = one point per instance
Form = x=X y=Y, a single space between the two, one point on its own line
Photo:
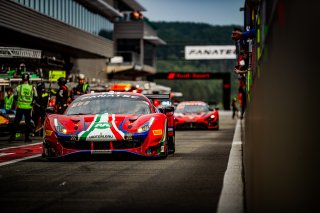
x=235 y=109
x=82 y=87
x=242 y=69
x=242 y=46
x=237 y=34
x=24 y=94
x=40 y=106
x=62 y=96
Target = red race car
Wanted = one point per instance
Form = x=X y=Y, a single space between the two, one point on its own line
x=107 y=123
x=163 y=103
x=196 y=115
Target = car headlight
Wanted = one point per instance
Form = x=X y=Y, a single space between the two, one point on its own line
x=211 y=117
x=146 y=126
x=59 y=127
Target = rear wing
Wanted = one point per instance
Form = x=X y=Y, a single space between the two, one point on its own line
x=162 y=102
x=158 y=96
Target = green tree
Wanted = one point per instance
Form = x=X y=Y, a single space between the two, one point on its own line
x=171 y=58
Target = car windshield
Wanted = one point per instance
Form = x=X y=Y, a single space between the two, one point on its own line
x=191 y=108
x=111 y=105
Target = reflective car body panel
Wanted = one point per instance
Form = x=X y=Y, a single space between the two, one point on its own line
x=7 y=121
x=106 y=123
x=195 y=115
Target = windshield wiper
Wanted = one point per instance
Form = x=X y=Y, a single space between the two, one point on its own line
x=78 y=113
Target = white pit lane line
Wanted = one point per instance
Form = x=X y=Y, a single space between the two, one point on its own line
x=231 y=197
x=19 y=159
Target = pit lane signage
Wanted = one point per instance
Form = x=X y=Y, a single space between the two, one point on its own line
x=189 y=75
x=17 y=52
x=54 y=75
x=210 y=52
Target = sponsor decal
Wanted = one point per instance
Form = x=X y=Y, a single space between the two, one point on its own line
x=48 y=132
x=110 y=95
x=210 y=52
x=102 y=125
x=101 y=136
x=157 y=132
x=184 y=75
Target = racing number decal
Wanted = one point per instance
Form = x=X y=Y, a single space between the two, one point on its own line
x=102 y=125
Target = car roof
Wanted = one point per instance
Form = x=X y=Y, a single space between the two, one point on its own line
x=192 y=103
x=141 y=96
x=117 y=93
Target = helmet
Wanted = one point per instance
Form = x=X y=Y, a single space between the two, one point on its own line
x=81 y=76
x=9 y=89
x=41 y=86
x=62 y=81
x=25 y=77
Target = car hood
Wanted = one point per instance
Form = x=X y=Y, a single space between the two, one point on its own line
x=193 y=116
x=99 y=127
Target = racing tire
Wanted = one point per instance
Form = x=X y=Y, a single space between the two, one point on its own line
x=171 y=144
x=216 y=129
x=166 y=153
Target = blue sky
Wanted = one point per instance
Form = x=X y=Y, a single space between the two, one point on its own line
x=215 y=12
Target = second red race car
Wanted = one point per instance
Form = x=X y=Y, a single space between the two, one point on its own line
x=196 y=115
x=108 y=123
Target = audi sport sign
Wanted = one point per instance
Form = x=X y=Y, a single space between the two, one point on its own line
x=210 y=52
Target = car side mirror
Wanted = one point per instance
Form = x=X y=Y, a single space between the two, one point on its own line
x=169 y=109
x=166 y=109
x=161 y=109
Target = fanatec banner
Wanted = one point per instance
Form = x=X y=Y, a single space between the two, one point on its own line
x=210 y=52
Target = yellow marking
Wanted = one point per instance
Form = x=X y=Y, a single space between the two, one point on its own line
x=48 y=132
x=157 y=132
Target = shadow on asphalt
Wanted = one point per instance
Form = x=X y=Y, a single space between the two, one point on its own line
x=100 y=157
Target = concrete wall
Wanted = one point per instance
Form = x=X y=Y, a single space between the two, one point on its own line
x=281 y=145
x=91 y=68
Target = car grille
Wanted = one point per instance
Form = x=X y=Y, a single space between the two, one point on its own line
x=191 y=126
x=101 y=145
x=126 y=144
x=81 y=145
x=86 y=145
